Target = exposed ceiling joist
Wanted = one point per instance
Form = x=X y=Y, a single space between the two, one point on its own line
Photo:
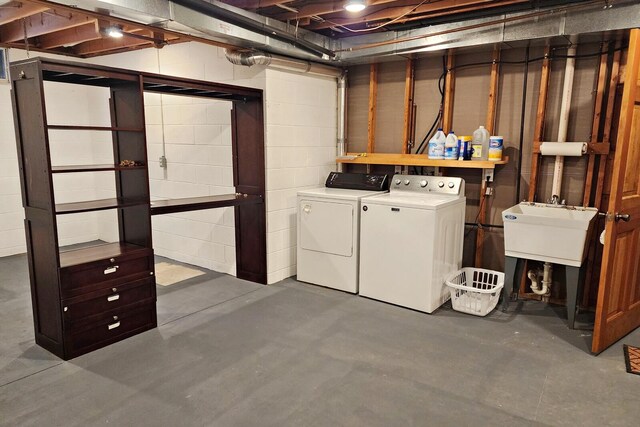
x=257 y=4
x=39 y=24
x=16 y=10
x=106 y=44
x=70 y=36
x=412 y=12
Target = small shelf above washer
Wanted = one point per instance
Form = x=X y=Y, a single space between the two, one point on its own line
x=418 y=160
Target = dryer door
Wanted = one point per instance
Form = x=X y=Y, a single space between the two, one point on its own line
x=326 y=227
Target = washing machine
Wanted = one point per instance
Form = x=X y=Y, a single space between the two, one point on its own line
x=328 y=229
x=411 y=238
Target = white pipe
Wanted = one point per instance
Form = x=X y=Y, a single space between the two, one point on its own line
x=342 y=118
x=565 y=108
x=546 y=280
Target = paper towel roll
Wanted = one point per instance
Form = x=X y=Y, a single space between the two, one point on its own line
x=563 y=148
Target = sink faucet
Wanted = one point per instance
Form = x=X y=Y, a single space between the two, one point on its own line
x=555 y=200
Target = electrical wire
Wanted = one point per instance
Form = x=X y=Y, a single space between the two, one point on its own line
x=377 y=27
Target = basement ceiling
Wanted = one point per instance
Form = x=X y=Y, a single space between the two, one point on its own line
x=43 y=26
x=331 y=19
x=316 y=30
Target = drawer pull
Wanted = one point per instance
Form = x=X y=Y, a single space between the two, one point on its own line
x=113 y=325
x=111 y=269
x=115 y=297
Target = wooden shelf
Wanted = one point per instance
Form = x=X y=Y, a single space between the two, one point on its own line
x=95 y=205
x=419 y=160
x=159 y=207
x=105 y=128
x=92 y=168
x=98 y=252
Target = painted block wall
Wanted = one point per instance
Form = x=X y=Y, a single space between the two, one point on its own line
x=300 y=153
x=300 y=122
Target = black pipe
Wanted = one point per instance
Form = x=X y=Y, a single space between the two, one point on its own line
x=522 y=115
x=241 y=21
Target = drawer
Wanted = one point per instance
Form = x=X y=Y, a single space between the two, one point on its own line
x=95 y=304
x=106 y=273
x=123 y=324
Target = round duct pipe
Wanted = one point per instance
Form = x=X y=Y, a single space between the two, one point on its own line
x=249 y=58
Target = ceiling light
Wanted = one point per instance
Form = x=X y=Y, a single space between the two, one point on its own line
x=355 y=5
x=115 y=32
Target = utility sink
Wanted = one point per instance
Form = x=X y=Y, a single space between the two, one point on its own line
x=546 y=232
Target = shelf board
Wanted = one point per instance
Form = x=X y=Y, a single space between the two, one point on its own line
x=159 y=207
x=95 y=205
x=419 y=160
x=105 y=128
x=92 y=168
x=97 y=252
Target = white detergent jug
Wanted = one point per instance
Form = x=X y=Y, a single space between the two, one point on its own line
x=435 y=149
x=451 y=147
x=480 y=144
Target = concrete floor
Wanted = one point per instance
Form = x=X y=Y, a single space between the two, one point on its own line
x=233 y=353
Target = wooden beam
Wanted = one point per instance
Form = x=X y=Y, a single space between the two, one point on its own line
x=409 y=84
x=41 y=23
x=538 y=132
x=70 y=36
x=616 y=72
x=256 y=4
x=109 y=43
x=489 y=125
x=379 y=10
x=373 y=95
x=449 y=89
x=595 y=124
x=16 y=10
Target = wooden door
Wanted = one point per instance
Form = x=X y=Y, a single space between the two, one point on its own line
x=618 y=309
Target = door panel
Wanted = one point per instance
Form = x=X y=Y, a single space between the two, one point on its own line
x=618 y=309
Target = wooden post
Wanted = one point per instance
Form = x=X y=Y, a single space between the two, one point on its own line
x=595 y=126
x=608 y=121
x=489 y=125
x=409 y=84
x=373 y=95
x=538 y=133
x=449 y=83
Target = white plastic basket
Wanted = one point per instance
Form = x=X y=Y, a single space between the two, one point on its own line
x=475 y=290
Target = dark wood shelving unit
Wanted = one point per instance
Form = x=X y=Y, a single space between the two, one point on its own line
x=93 y=168
x=96 y=205
x=89 y=297
x=71 y=257
x=99 y=128
x=160 y=207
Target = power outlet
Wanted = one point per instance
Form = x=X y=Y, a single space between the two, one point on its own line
x=488 y=191
x=163 y=162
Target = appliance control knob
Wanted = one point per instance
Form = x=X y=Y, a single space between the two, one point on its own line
x=423 y=183
x=398 y=182
x=441 y=184
x=451 y=185
x=407 y=182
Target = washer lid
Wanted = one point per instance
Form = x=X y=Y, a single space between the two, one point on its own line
x=415 y=200
x=337 y=193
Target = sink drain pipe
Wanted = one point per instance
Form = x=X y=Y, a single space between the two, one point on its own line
x=534 y=276
x=250 y=58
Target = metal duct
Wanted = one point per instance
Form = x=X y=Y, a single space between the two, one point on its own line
x=241 y=21
x=267 y=59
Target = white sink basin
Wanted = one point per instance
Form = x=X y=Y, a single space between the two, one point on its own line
x=552 y=233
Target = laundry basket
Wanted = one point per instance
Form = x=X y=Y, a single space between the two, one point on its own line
x=475 y=290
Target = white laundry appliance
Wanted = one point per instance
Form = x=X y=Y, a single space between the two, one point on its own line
x=410 y=239
x=328 y=229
